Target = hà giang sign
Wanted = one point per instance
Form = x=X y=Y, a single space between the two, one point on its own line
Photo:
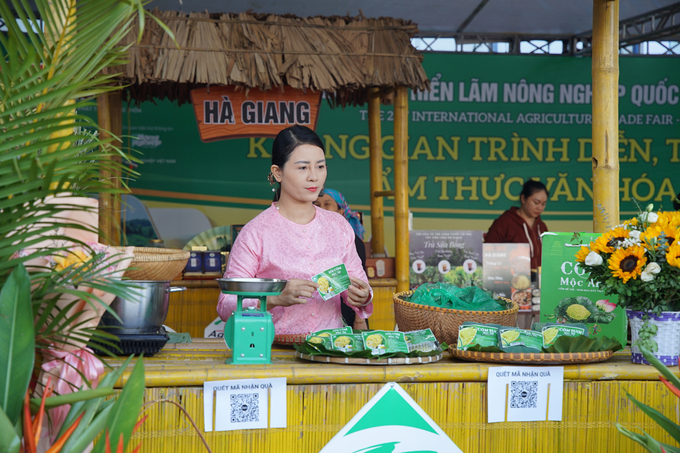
x=222 y=112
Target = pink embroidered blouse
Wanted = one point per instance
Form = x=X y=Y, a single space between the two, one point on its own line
x=271 y=246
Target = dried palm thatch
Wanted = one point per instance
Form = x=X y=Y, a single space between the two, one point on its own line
x=341 y=56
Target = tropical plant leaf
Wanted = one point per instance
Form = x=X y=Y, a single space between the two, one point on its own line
x=668 y=425
x=70 y=398
x=647 y=441
x=77 y=444
x=656 y=363
x=9 y=440
x=17 y=342
x=123 y=416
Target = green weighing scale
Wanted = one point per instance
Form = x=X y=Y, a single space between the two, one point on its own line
x=249 y=332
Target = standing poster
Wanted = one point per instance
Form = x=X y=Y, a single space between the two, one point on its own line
x=569 y=296
x=507 y=271
x=453 y=257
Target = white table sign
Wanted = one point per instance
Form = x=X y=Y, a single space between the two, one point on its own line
x=525 y=394
x=215 y=329
x=244 y=404
x=392 y=422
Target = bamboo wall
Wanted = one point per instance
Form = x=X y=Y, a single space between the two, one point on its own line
x=317 y=412
x=192 y=310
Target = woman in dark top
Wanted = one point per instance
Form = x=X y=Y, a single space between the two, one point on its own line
x=523 y=224
x=332 y=200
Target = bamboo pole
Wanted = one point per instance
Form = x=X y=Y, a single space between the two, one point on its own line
x=401 y=187
x=605 y=114
x=375 y=145
x=110 y=117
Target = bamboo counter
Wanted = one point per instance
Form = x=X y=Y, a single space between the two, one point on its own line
x=323 y=397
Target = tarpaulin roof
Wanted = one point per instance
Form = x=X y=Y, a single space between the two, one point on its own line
x=528 y=17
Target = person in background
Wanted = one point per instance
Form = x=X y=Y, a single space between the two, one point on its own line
x=294 y=240
x=523 y=224
x=332 y=200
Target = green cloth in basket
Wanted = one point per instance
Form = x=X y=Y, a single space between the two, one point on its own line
x=445 y=295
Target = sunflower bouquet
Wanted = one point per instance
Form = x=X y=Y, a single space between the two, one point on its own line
x=638 y=260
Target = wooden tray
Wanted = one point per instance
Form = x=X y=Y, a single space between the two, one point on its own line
x=357 y=361
x=290 y=339
x=532 y=358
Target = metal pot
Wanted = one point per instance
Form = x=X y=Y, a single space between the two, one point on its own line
x=143 y=314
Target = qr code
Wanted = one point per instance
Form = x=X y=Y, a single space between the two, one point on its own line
x=245 y=407
x=523 y=394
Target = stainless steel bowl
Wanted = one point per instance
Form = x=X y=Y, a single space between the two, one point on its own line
x=143 y=313
x=252 y=285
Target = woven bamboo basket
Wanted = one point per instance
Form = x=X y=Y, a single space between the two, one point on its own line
x=532 y=358
x=445 y=322
x=158 y=264
x=290 y=339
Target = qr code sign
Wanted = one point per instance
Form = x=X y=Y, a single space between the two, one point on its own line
x=245 y=407
x=523 y=394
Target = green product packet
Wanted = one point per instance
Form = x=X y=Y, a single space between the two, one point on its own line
x=385 y=341
x=421 y=340
x=347 y=342
x=324 y=336
x=551 y=332
x=538 y=326
x=473 y=333
x=568 y=295
x=333 y=281
x=511 y=337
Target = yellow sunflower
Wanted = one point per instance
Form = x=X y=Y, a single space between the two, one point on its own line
x=651 y=236
x=601 y=244
x=673 y=254
x=582 y=253
x=627 y=263
x=669 y=218
x=631 y=222
x=608 y=241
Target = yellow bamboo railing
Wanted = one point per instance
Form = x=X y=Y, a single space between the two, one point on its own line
x=110 y=118
x=401 y=188
x=375 y=144
x=605 y=114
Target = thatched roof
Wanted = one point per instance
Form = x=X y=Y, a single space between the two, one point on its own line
x=342 y=56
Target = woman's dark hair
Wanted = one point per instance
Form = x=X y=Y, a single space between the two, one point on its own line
x=531 y=187
x=290 y=138
x=676 y=203
x=285 y=143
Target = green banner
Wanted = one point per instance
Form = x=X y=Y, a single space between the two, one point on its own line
x=489 y=122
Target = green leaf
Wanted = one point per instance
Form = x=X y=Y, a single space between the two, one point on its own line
x=88 y=435
x=656 y=363
x=17 y=342
x=125 y=412
x=671 y=428
x=70 y=398
x=645 y=440
x=581 y=343
x=9 y=440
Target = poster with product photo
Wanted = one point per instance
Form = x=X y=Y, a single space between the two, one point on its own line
x=507 y=271
x=453 y=257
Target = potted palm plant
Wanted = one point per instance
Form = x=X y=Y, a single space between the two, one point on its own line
x=53 y=280
x=640 y=261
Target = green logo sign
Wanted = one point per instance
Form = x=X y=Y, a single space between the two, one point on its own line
x=391 y=422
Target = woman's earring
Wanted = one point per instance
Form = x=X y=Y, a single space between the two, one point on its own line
x=272 y=180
